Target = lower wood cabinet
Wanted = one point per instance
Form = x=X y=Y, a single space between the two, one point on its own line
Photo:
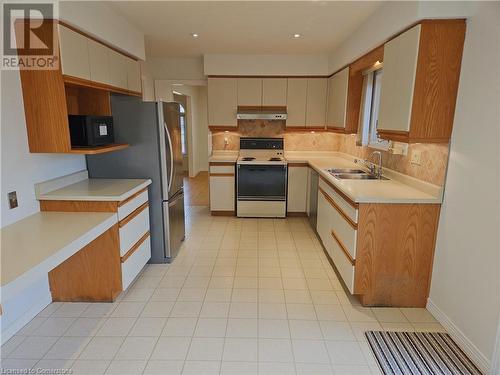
x=383 y=252
x=222 y=188
x=297 y=187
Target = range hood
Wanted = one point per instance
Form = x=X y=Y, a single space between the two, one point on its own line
x=261 y=113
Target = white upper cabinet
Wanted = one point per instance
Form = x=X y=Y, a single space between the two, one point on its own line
x=74 y=53
x=99 y=65
x=222 y=101
x=250 y=91
x=337 y=99
x=316 y=102
x=296 y=102
x=134 y=75
x=118 y=69
x=274 y=91
x=400 y=66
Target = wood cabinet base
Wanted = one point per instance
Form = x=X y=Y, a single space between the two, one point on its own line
x=222 y=213
x=93 y=274
x=395 y=253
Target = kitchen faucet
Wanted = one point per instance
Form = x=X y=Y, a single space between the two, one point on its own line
x=374 y=170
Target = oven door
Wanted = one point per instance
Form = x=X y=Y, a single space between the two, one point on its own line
x=262 y=182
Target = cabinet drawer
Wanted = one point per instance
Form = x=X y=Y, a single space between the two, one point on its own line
x=129 y=205
x=135 y=262
x=132 y=230
x=343 y=232
x=343 y=264
x=221 y=169
x=348 y=208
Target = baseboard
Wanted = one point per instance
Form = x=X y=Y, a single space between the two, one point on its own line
x=297 y=214
x=15 y=326
x=459 y=337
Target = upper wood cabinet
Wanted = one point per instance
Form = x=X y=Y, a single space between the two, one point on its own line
x=222 y=101
x=274 y=91
x=316 y=102
x=99 y=66
x=134 y=80
x=250 y=91
x=337 y=100
x=74 y=53
x=296 y=102
x=118 y=69
x=420 y=82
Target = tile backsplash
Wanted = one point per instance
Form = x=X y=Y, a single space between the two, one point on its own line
x=434 y=157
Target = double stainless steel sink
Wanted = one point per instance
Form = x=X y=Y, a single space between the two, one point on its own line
x=353 y=174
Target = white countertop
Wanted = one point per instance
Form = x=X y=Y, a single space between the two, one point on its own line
x=44 y=240
x=97 y=189
x=398 y=189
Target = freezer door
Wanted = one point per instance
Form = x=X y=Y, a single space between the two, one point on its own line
x=175 y=225
x=172 y=125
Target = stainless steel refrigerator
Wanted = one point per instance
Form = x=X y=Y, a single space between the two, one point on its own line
x=154 y=133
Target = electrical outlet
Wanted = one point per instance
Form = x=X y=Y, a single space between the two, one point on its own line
x=416 y=157
x=12 y=196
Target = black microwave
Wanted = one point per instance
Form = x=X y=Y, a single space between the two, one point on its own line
x=91 y=131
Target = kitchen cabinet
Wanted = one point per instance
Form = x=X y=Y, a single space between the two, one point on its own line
x=222 y=101
x=118 y=73
x=420 y=82
x=297 y=187
x=99 y=64
x=222 y=188
x=296 y=102
x=337 y=100
x=274 y=92
x=134 y=75
x=316 y=102
x=74 y=53
x=383 y=252
x=250 y=91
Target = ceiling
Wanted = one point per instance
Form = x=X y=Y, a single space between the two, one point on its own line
x=244 y=27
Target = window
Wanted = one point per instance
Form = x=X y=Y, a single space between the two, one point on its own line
x=370 y=101
x=182 y=118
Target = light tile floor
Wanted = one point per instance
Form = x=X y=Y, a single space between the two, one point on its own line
x=244 y=296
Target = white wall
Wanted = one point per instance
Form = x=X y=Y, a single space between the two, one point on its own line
x=220 y=64
x=101 y=21
x=176 y=68
x=20 y=170
x=465 y=289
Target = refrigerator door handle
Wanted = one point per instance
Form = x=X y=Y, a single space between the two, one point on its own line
x=171 y=157
x=176 y=198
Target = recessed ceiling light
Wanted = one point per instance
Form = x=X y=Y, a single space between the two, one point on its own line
x=195 y=35
x=296 y=36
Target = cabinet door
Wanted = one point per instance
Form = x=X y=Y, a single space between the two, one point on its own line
x=99 y=64
x=134 y=75
x=250 y=91
x=297 y=189
x=118 y=69
x=222 y=193
x=296 y=95
x=316 y=102
x=74 y=53
x=222 y=101
x=323 y=223
x=274 y=91
x=396 y=95
x=337 y=99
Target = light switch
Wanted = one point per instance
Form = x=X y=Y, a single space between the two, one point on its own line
x=416 y=157
x=12 y=196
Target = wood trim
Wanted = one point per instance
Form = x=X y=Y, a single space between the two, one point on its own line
x=98 y=149
x=394 y=135
x=71 y=27
x=78 y=206
x=343 y=248
x=297 y=164
x=222 y=163
x=336 y=129
x=134 y=248
x=221 y=174
x=222 y=213
x=93 y=274
x=292 y=129
x=70 y=80
x=261 y=76
x=339 y=192
x=133 y=196
x=136 y=212
x=394 y=253
x=82 y=100
x=261 y=108
x=297 y=214
x=338 y=209
x=222 y=128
